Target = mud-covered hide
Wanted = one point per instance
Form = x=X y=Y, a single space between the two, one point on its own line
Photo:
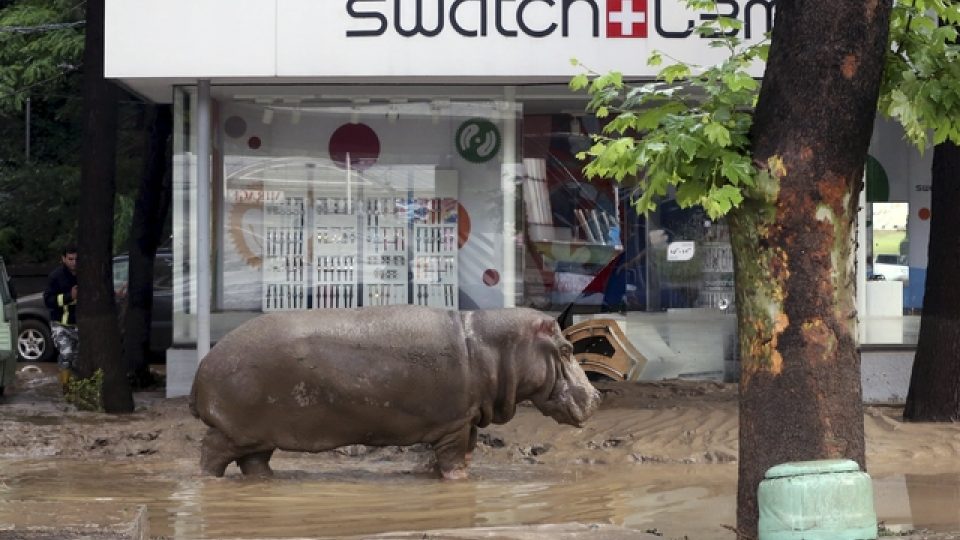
x=397 y=375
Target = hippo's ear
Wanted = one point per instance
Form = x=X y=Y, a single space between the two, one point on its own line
x=546 y=328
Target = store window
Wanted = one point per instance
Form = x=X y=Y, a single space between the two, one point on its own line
x=572 y=225
x=374 y=198
x=458 y=198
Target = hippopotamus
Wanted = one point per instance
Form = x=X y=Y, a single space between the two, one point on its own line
x=380 y=376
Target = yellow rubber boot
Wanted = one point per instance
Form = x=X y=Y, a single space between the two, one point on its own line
x=65 y=377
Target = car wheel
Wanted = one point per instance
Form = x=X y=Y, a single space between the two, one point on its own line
x=34 y=343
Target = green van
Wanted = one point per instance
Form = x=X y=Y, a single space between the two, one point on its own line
x=8 y=331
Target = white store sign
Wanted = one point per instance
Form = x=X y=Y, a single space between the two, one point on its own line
x=407 y=38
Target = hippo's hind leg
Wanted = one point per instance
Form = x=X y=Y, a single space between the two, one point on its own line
x=216 y=452
x=256 y=464
x=451 y=452
x=471 y=444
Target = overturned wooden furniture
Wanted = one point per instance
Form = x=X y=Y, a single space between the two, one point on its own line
x=602 y=349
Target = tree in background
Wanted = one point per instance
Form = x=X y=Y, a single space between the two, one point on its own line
x=97 y=311
x=41 y=43
x=149 y=217
x=922 y=92
x=41 y=48
x=934 y=394
x=788 y=174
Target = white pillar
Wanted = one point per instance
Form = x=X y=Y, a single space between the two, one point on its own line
x=203 y=219
x=861 y=276
x=509 y=174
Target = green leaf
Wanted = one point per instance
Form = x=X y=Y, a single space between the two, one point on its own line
x=579 y=82
x=717 y=134
x=740 y=81
x=674 y=72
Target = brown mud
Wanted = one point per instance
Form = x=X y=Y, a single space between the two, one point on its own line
x=658 y=458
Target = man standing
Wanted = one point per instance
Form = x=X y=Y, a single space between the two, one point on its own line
x=60 y=298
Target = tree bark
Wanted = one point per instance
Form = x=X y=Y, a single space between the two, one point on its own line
x=97 y=311
x=146 y=234
x=934 y=394
x=800 y=394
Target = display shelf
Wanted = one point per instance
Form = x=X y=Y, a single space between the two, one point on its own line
x=434 y=246
x=385 y=252
x=335 y=253
x=285 y=263
x=323 y=252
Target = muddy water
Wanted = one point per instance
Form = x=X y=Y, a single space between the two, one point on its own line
x=306 y=499
x=309 y=501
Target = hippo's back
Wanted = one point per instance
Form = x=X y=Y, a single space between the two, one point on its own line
x=283 y=374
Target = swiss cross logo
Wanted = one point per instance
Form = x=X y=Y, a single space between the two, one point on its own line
x=626 y=18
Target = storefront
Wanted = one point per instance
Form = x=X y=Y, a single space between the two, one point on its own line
x=366 y=152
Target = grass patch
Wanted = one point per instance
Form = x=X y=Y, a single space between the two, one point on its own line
x=888 y=242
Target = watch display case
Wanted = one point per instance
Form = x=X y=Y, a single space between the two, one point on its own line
x=335 y=253
x=385 y=251
x=435 y=252
x=382 y=246
x=285 y=262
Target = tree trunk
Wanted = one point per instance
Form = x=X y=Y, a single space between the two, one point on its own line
x=800 y=395
x=97 y=311
x=934 y=394
x=149 y=216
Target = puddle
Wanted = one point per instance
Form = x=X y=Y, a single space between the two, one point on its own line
x=919 y=501
x=307 y=500
x=337 y=502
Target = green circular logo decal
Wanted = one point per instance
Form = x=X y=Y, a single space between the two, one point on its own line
x=478 y=140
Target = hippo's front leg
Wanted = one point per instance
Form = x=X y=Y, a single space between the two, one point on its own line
x=451 y=451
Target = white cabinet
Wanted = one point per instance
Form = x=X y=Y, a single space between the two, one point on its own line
x=286 y=265
x=335 y=254
x=383 y=245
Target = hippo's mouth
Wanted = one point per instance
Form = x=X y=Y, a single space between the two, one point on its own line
x=571 y=405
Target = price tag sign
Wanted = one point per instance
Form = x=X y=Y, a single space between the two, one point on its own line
x=681 y=251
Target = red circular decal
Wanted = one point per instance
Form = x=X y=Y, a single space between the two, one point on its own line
x=491 y=277
x=254 y=143
x=923 y=214
x=358 y=141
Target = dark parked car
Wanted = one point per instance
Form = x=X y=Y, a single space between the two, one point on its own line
x=8 y=329
x=34 y=343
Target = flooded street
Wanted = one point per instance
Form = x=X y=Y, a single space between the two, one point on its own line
x=306 y=501
x=657 y=457
x=311 y=499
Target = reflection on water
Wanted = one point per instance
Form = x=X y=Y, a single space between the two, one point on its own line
x=305 y=499
x=919 y=501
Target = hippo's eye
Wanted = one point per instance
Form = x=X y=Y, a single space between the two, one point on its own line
x=566 y=350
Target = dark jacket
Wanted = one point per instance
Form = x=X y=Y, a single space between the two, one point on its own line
x=62 y=308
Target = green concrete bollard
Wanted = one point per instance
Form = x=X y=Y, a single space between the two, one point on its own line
x=817 y=500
